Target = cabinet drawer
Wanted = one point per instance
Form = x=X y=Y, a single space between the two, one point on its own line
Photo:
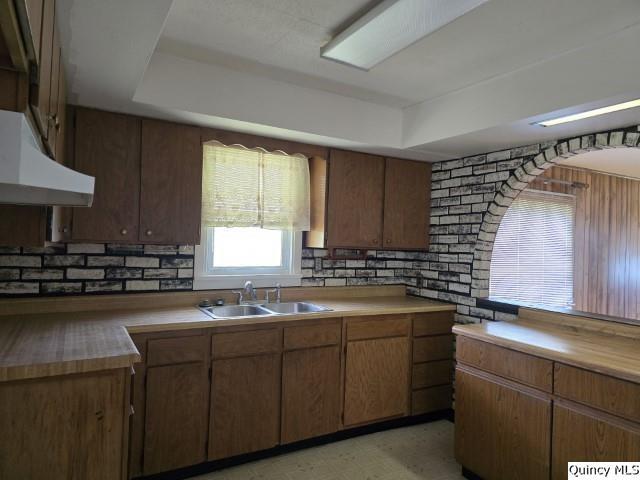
x=612 y=395
x=170 y=351
x=306 y=336
x=431 y=399
x=523 y=368
x=254 y=342
x=431 y=373
x=433 y=323
x=427 y=349
x=378 y=326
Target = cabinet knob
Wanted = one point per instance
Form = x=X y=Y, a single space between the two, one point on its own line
x=148 y=233
x=123 y=231
x=65 y=230
x=374 y=241
x=388 y=240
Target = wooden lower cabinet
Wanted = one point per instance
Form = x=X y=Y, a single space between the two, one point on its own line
x=175 y=416
x=245 y=405
x=376 y=380
x=501 y=432
x=310 y=393
x=581 y=436
x=73 y=427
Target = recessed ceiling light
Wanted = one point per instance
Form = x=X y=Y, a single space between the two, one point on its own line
x=391 y=26
x=590 y=113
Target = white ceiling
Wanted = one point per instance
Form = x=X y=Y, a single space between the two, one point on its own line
x=498 y=37
x=253 y=65
x=616 y=161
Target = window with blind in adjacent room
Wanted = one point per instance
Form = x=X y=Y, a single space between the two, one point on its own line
x=532 y=260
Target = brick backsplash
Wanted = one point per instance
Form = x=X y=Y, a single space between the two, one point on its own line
x=94 y=268
x=379 y=267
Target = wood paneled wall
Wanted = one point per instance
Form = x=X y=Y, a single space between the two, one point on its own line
x=606 y=242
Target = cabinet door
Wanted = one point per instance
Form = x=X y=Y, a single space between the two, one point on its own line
x=356 y=192
x=579 y=436
x=43 y=91
x=53 y=125
x=310 y=393
x=501 y=432
x=171 y=183
x=245 y=405
x=175 y=417
x=22 y=225
x=65 y=427
x=376 y=380
x=34 y=17
x=407 y=204
x=107 y=146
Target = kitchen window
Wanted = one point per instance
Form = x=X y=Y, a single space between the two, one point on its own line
x=255 y=205
x=532 y=260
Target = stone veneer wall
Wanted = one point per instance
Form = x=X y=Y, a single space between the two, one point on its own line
x=72 y=269
x=469 y=197
x=94 y=268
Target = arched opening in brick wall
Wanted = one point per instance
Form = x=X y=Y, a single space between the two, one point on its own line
x=518 y=181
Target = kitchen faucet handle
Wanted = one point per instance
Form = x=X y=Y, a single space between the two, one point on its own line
x=240 y=294
x=267 y=291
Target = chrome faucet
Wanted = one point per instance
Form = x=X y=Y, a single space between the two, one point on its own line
x=248 y=291
x=277 y=292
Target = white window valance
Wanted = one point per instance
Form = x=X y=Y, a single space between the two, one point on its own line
x=243 y=187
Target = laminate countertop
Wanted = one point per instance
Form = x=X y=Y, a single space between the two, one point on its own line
x=41 y=345
x=600 y=346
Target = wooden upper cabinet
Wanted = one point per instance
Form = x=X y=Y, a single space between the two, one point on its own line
x=53 y=125
x=407 y=200
x=34 y=16
x=42 y=93
x=22 y=226
x=356 y=196
x=107 y=146
x=171 y=183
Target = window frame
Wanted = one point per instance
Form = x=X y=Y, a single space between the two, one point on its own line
x=289 y=275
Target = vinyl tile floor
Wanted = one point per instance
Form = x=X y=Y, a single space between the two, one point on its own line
x=419 y=452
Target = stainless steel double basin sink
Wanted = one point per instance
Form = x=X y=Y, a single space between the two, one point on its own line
x=265 y=309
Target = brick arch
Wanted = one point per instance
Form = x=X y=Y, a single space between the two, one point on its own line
x=520 y=179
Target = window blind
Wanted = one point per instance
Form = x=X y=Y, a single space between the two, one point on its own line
x=244 y=187
x=532 y=258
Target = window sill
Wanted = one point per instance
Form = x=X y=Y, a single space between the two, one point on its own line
x=217 y=282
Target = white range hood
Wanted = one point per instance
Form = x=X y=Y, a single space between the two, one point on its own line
x=29 y=177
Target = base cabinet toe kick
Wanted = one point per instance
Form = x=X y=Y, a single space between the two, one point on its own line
x=522 y=416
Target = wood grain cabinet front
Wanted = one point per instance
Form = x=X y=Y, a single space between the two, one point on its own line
x=107 y=147
x=377 y=368
x=245 y=392
x=502 y=432
x=72 y=427
x=177 y=403
x=311 y=381
x=170 y=183
x=580 y=435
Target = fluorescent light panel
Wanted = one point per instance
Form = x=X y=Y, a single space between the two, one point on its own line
x=591 y=113
x=390 y=27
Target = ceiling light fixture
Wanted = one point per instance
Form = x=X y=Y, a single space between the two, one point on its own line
x=391 y=26
x=590 y=113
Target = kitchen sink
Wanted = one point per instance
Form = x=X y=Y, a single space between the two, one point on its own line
x=294 y=307
x=230 y=311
